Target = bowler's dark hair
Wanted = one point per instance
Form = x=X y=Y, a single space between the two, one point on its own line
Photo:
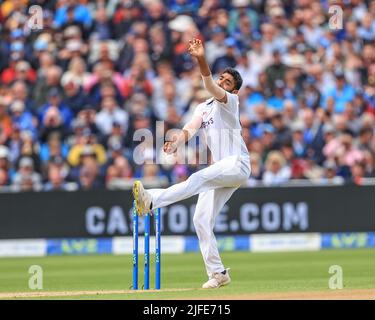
x=236 y=76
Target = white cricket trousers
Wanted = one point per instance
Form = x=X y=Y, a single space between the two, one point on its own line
x=215 y=185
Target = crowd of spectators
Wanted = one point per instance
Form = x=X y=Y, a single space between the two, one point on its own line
x=73 y=92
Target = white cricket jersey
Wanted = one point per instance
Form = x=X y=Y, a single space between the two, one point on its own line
x=221 y=127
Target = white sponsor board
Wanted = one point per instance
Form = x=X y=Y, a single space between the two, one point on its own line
x=169 y=244
x=285 y=242
x=23 y=248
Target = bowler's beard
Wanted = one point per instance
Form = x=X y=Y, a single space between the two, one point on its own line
x=230 y=91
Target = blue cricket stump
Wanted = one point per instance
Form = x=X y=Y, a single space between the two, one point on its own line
x=147 y=253
x=135 y=248
x=147 y=225
x=157 y=248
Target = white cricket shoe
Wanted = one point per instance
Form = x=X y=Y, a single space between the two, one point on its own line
x=217 y=280
x=142 y=198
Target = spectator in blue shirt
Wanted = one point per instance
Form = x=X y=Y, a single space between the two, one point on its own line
x=367 y=29
x=341 y=93
x=183 y=6
x=81 y=14
x=54 y=101
x=277 y=99
x=23 y=118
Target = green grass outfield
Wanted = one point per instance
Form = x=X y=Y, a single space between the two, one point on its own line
x=252 y=273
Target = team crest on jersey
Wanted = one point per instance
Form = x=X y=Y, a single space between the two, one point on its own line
x=207 y=123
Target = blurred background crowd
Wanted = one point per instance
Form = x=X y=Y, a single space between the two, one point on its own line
x=73 y=93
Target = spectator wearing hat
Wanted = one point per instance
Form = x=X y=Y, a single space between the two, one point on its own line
x=277 y=172
x=22 y=117
x=26 y=179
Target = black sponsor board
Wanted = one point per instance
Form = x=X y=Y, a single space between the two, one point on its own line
x=103 y=213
